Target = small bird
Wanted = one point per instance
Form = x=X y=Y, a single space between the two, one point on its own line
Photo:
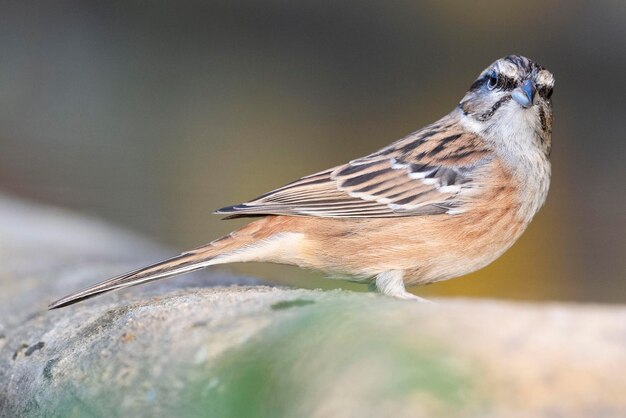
x=442 y=202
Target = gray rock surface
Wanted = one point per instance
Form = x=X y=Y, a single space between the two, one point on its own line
x=220 y=346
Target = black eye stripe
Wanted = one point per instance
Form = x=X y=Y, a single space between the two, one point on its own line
x=504 y=83
x=544 y=91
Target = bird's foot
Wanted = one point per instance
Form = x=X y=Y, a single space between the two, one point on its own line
x=391 y=283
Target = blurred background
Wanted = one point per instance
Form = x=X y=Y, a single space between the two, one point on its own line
x=153 y=114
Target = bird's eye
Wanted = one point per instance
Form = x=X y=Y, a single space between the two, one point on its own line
x=549 y=93
x=492 y=81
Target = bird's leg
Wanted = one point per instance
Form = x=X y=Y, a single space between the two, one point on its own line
x=390 y=283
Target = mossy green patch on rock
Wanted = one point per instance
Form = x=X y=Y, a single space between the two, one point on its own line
x=334 y=357
x=286 y=304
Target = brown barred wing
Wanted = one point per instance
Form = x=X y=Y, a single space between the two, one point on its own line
x=422 y=174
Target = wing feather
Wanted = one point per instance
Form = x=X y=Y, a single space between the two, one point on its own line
x=427 y=172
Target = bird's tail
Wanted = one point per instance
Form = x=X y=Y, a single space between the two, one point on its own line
x=230 y=248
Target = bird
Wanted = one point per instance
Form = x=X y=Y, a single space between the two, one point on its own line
x=441 y=202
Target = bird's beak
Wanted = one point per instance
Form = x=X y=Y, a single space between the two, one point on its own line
x=525 y=95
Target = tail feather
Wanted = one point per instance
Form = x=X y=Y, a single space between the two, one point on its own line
x=228 y=249
x=183 y=263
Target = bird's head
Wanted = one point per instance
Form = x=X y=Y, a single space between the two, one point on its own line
x=510 y=103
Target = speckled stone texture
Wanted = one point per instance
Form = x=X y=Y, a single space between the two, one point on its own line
x=219 y=346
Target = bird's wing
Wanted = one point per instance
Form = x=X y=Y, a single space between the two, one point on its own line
x=425 y=173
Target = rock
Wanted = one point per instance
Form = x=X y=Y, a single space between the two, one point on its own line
x=221 y=346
